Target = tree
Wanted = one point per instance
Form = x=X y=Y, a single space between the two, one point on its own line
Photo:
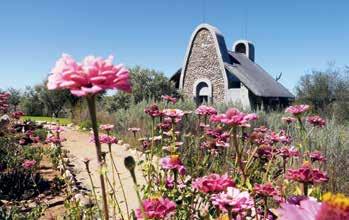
x=147 y=84
x=327 y=91
x=15 y=97
x=31 y=103
x=54 y=100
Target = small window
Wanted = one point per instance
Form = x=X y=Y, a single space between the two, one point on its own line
x=240 y=48
x=234 y=85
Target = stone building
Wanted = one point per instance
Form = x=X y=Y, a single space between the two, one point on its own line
x=212 y=73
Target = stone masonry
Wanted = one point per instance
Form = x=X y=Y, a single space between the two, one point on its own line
x=203 y=62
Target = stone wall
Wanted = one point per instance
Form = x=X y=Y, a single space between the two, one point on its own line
x=203 y=63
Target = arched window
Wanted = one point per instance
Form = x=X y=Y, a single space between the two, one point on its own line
x=240 y=48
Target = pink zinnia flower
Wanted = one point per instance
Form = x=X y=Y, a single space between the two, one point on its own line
x=266 y=189
x=153 y=111
x=297 y=110
x=287 y=152
x=105 y=139
x=106 y=127
x=316 y=121
x=205 y=110
x=233 y=200
x=92 y=76
x=173 y=162
x=306 y=174
x=317 y=156
x=54 y=140
x=288 y=120
x=134 y=129
x=57 y=129
x=213 y=183
x=156 y=208
x=333 y=207
x=169 y=99
x=17 y=115
x=28 y=164
x=173 y=113
x=4 y=96
x=234 y=117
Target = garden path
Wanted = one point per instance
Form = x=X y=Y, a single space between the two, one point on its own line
x=80 y=147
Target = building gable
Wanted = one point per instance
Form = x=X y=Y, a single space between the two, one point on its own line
x=204 y=63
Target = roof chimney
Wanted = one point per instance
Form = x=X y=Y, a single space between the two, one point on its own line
x=245 y=47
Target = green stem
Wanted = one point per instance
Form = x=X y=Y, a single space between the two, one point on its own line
x=94 y=191
x=92 y=109
x=121 y=185
x=116 y=200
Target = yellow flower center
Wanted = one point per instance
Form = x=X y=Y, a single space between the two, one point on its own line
x=339 y=201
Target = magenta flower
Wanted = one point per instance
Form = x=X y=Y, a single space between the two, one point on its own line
x=234 y=117
x=134 y=129
x=288 y=120
x=169 y=99
x=28 y=164
x=306 y=210
x=266 y=189
x=105 y=139
x=297 y=110
x=156 y=208
x=17 y=115
x=213 y=183
x=173 y=113
x=233 y=200
x=153 y=111
x=173 y=162
x=56 y=129
x=4 y=96
x=106 y=127
x=205 y=110
x=92 y=76
x=288 y=152
x=306 y=174
x=316 y=121
x=54 y=140
x=317 y=156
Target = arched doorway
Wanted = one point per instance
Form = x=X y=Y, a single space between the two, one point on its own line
x=202 y=91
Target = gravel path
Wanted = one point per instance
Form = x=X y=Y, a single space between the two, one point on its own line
x=79 y=147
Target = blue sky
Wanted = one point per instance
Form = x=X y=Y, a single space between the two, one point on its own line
x=292 y=37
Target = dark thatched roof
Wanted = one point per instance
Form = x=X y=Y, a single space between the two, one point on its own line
x=254 y=77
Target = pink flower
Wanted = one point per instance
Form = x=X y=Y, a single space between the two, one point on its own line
x=288 y=120
x=92 y=76
x=105 y=139
x=28 y=164
x=297 y=110
x=213 y=183
x=56 y=129
x=287 y=152
x=54 y=140
x=205 y=110
x=233 y=200
x=173 y=162
x=106 y=127
x=156 y=208
x=317 y=156
x=17 y=115
x=316 y=121
x=153 y=111
x=306 y=174
x=173 y=113
x=266 y=189
x=4 y=96
x=306 y=210
x=134 y=129
x=234 y=117
x=169 y=99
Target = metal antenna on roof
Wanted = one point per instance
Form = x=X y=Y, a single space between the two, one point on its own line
x=203 y=11
x=246 y=22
